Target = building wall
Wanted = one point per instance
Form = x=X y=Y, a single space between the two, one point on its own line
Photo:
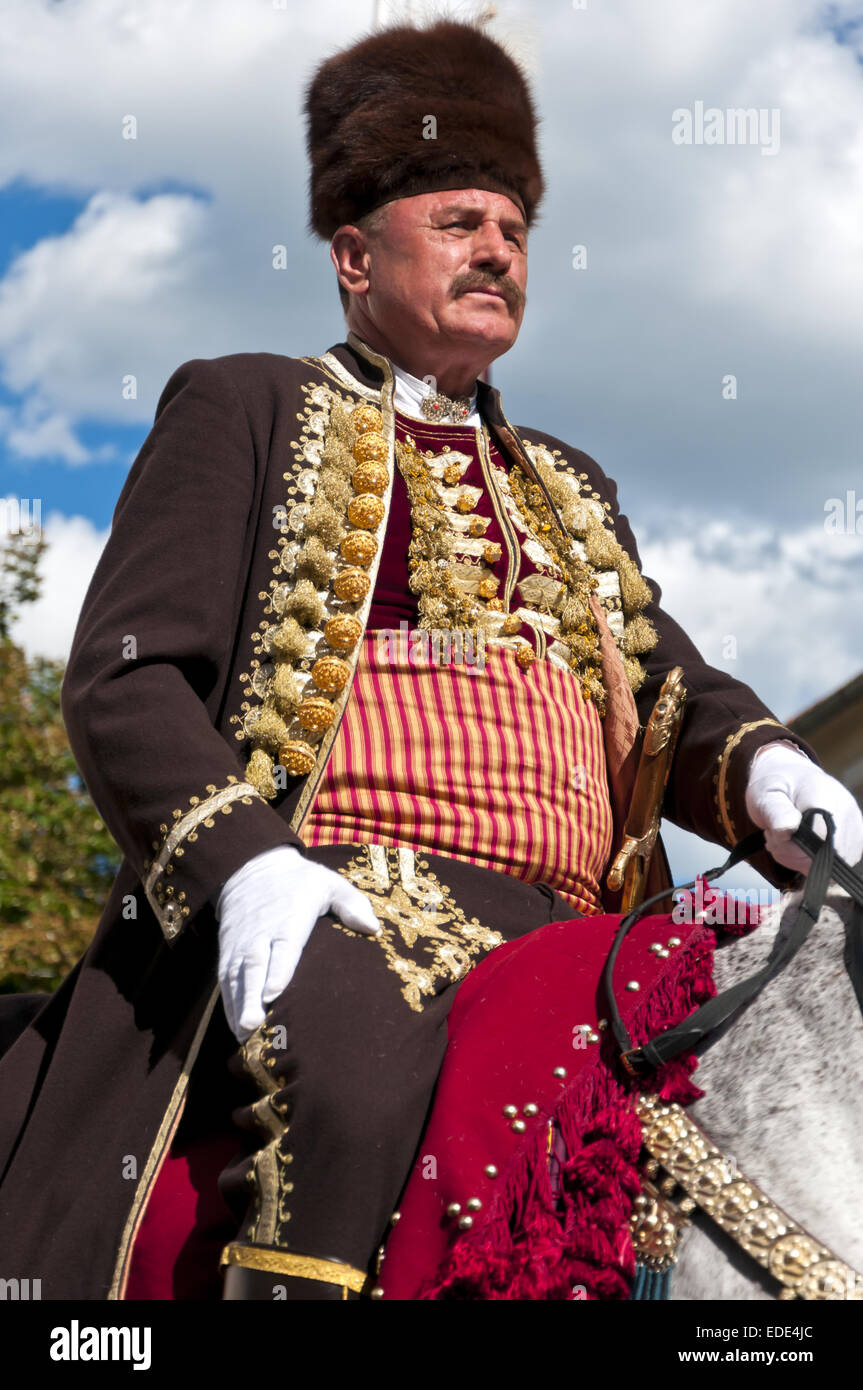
x=834 y=728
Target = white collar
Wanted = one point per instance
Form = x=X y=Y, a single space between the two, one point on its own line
x=411 y=390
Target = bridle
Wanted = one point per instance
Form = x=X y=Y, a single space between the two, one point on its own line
x=826 y=865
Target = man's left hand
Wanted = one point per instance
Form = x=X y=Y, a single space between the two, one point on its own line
x=783 y=783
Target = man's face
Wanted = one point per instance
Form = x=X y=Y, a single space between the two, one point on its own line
x=448 y=271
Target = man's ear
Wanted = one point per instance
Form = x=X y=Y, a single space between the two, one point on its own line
x=348 y=253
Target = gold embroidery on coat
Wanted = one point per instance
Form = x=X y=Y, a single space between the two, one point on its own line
x=270 y=1172
x=441 y=601
x=418 y=914
x=620 y=587
x=720 y=777
x=299 y=679
x=171 y=908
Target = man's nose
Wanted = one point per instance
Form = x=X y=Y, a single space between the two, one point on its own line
x=491 y=248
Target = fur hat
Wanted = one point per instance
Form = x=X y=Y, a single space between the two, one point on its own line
x=367 y=112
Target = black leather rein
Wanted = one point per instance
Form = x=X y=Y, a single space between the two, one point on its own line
x=826 y=865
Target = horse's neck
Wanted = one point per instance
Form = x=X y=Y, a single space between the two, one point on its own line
x=782 y=1084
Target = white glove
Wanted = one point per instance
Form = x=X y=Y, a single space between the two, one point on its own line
x=266 y=912
x=783 y=783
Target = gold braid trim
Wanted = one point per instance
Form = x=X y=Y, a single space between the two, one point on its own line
x=441 y=603
x=171 y=908
x=721 y=777
x=294 y=1266
x=305 y=655
x=577 y=623
x=583 y=519
x=806 y=1268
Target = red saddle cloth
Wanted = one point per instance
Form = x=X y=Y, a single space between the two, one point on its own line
x=519 y=1021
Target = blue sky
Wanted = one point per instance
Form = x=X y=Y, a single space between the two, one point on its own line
x=122 y=257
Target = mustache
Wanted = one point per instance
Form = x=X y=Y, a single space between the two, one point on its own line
x=512 y=293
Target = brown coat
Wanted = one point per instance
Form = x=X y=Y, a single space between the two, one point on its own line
x=158 y=694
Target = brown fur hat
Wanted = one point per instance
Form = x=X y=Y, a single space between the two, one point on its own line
x=366 y=108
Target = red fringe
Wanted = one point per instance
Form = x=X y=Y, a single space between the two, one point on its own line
x=526 y=1249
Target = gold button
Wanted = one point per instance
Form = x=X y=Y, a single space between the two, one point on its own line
x=316 y=714
x=358 y=548
x=370 y=447
x=370 y=477
x=367 y=511
x=351 y=585
x=525 y=656
x=365 y=418
x=330 y=673
x=343 y=631
x=297 y=757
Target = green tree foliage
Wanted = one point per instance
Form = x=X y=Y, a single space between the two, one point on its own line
x=57 y=860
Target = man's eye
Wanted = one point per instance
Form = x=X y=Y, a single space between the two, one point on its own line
x=514 y=237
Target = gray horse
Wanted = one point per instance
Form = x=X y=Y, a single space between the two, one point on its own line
x=781 y=1099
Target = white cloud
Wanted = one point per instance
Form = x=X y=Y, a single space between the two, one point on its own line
x=787 y=600
x=41 y=434
x=127 y=276
x=702 y=261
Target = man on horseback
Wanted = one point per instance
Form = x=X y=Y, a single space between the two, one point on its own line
x=392 y=822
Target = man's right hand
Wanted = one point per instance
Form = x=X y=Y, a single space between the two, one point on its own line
x=266 y=912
